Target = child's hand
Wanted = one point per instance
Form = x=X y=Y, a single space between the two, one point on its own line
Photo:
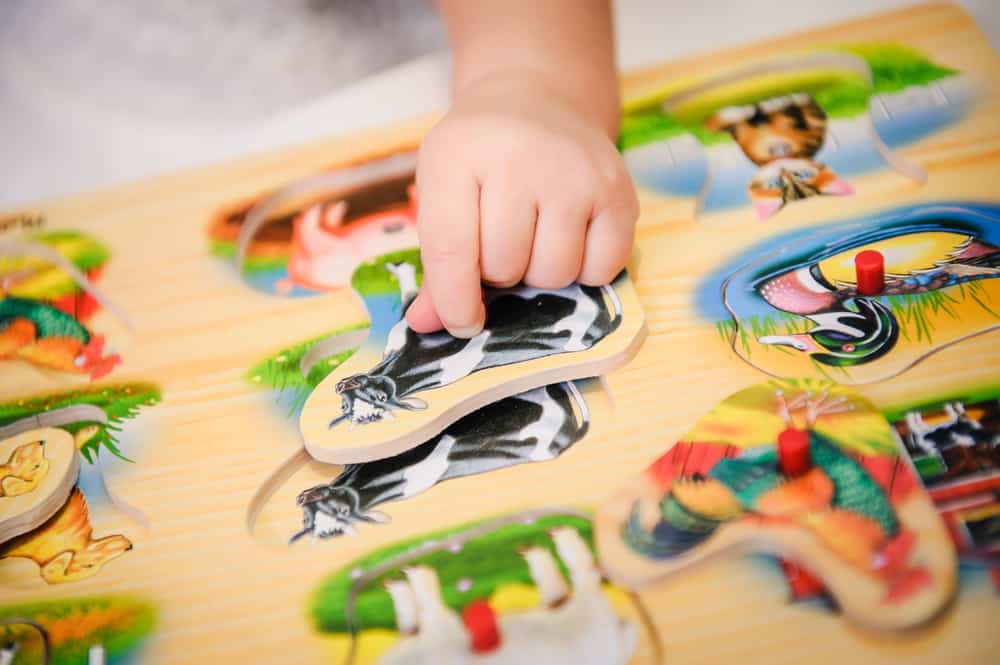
x=517 y=183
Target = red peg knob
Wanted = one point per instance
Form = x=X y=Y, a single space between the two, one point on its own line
x=481 y=622
x=793 y=451
x=870 y=268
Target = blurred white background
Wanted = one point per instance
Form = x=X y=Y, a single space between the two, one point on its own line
x=99 y=92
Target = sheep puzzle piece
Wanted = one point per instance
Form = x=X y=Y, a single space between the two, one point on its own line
x=853 y=512
x=402 y=388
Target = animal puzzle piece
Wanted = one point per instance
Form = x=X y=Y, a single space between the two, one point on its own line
x=955 y=449
x=64 y=547
x=941 y=266
x=785 y=146
x=402 y=388
x=800 y=469
x=41 y=468
x=492 y=591
x=50 y=338
x=45 y=325
x=571 y=628
x=534 y=426
x=311 y=235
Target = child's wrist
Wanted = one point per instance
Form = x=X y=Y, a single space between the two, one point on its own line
x=594 y=96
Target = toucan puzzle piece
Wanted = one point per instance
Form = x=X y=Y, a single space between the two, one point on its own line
x=785 y=129
x=39 y=468
x=800 y=469
x=401 y=388
x=863 y=302
x=47 y=300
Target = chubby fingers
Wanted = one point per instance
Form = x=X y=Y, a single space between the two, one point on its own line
x=611 y=231
x=506 y=231
x=448 y=228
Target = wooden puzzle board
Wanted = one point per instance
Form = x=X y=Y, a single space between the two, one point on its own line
x=226 y=595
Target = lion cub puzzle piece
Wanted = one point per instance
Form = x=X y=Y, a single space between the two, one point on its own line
x=935 y=271
x=800 y=469
x=39 y=470
x=773 y=111
x=402 y=388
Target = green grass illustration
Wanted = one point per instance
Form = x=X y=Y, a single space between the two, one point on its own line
x=120 y=402
x=280 y=371
x=893 y=68
x=487 y=562
x=117 y=623
x=915 y=314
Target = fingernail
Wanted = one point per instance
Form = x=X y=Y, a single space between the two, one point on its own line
x=468 y=331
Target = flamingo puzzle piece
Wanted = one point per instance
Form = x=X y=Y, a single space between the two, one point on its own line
x=855 y=515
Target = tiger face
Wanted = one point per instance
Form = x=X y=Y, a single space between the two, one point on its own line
x=788 y=127
x=784 y=180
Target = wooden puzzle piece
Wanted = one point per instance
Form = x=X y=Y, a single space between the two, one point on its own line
x=954 y=445
x=310 y=235
x=787 y=128
x=48 y=300
x=490 y=592
x=40 y=470
x=81 y=424
x=535 y=426
x=402 y=388
x=801 y=469
x=797 y=311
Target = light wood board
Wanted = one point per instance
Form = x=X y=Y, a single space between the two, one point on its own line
x=226 y=596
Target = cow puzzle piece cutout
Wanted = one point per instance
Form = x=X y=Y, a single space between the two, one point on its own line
x=942 y=271
x=784 y=141
x=856 y=516
x=330 y=501
x=402 y=388
x=40 y=469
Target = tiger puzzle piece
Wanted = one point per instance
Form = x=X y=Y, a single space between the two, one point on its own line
x=857 y=517
x=797 y=309
x=401 y=388
x=41 y=468
x=785 y=146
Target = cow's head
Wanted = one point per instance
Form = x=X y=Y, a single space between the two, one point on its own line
x=329 y=511
x=366 y=399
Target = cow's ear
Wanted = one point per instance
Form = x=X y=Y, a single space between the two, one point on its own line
x=375 y=516
x=412 y=403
